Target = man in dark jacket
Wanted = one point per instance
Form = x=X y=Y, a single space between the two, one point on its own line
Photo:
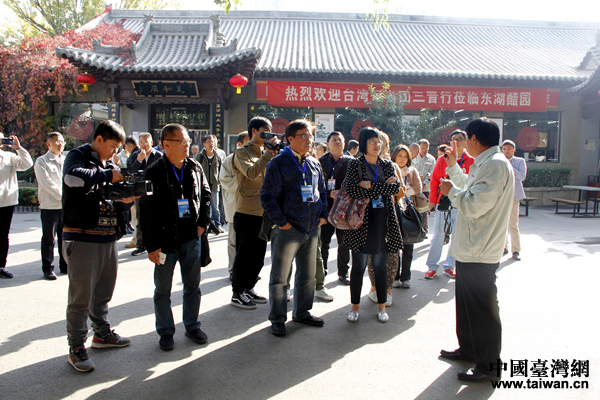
x=173 y=219
x=211 y=165
x=296 y=233
x=90 y=242
x=335 y=164
x=139 y=161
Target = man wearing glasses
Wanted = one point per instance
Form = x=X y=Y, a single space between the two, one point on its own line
x=296 y=234
x=173 y=220
x=48 y=173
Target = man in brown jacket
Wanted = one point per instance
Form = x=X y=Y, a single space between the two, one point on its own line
x=250 y=162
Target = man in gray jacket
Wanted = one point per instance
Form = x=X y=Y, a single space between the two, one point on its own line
x=483 y=199
x=48 y=173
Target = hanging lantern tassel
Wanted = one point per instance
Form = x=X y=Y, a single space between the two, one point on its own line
x=86 y=79
x=238 y=81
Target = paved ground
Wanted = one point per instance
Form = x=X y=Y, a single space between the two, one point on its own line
x=548 y=303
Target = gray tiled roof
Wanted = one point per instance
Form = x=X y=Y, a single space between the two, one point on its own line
x=297 y=44
x=165 y=47
x=415 y=49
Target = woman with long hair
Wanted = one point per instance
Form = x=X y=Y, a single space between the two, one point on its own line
x=410 y=177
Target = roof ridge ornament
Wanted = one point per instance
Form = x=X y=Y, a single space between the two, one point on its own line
x=148 y=18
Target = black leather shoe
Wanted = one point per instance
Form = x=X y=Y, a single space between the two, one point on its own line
x=344 y=279
x=197 y=336
x=50 y=275
x=475 y=375
x=455 y=355
x=278 y=329
x=310 y=320
x=166 y=342
x=516 y=256
x=505 y=252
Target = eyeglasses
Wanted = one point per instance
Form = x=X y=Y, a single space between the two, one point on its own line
x=305 y=136
x=458 y=139
x=375 y=142
x=182 y=142
x=59 y=142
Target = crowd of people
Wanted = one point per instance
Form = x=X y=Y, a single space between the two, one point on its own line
x=289 y=191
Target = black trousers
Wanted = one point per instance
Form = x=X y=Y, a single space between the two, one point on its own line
x=6 y=214
x=249 y=251
x=403 y=273
x=478 y=326
x=52 y=227
x=343 y=256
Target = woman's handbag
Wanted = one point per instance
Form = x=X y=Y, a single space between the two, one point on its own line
x=348 y=213
x=411 y=224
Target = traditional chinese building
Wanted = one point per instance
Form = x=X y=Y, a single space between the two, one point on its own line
x=536 y=79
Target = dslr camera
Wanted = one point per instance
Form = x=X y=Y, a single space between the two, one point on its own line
x=133 y=185
x=268 y=135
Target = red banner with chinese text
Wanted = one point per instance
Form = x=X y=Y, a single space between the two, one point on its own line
x=355 y=95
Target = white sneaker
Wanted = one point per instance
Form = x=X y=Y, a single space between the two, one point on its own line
x=396 y=284
x=373 y=296
x=323 y=295
x=406 y=284
x=383 y=317
x=388 y=300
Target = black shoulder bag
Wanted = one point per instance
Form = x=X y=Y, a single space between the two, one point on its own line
x=411 y=223
x=267 y=223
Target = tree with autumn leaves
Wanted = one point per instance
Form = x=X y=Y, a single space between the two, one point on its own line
x=31 y=75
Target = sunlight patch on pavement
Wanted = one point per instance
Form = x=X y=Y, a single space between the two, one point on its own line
x=88 y=391
x=164 y=368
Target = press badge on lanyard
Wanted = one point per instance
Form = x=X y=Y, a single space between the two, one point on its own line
x=331 y=181
x=377 y=203
x=306 y=190
x=183 y=205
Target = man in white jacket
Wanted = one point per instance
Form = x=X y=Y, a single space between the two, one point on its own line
x=484 y=199
x=9 y=193
x=48 y=173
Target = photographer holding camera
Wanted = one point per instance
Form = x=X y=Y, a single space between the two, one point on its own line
x=9 y=191
x=250 y=162
x=439 y=204
x=90 y=242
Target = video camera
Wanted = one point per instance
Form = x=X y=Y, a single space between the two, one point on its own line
x=268 y=136
x=133 y=185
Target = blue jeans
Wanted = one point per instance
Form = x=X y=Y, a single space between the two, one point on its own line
x=189 y=262
x=437 y=242
x=215 y=215
x=359 y=264
x=285 y=246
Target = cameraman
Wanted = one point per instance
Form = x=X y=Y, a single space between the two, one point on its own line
x=90 y=242
x=250 y=163
x=441 y=218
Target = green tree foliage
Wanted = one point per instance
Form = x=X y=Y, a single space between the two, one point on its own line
x=386 y=111
x=51 y=17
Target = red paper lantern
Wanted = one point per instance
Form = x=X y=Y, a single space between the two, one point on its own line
x=86 y=79
x=238 y=81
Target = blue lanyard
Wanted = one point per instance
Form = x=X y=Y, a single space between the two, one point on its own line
x=303 y=170
x=462 y=159
x=406 y=180
x=376 y=172
x=334 y=165
x=176 y=176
